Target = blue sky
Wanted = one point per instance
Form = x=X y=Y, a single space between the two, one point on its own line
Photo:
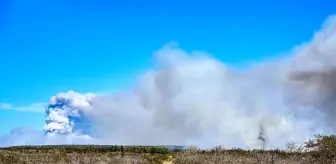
x=100 y=45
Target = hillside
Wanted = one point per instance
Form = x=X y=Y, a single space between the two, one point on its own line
x=322 y=151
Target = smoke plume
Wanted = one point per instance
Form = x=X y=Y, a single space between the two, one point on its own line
x=65 y=114
x=191 y=98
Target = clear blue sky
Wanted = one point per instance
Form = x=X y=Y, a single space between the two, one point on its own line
x=98 y=45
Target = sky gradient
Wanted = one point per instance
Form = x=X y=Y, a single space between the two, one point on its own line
x=99 y=45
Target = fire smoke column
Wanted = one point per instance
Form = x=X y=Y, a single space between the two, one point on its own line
x=65 y=114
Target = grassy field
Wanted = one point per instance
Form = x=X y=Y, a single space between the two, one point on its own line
x=322 y=151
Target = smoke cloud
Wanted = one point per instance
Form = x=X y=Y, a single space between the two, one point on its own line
x=194 y=99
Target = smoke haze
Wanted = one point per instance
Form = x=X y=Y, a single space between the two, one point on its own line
x=194 y=99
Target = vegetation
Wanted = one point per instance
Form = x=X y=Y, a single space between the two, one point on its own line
x=89 y=149
x=320 y=150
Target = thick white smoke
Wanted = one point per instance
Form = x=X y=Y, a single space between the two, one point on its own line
x=65 y=114
x=191 y=98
